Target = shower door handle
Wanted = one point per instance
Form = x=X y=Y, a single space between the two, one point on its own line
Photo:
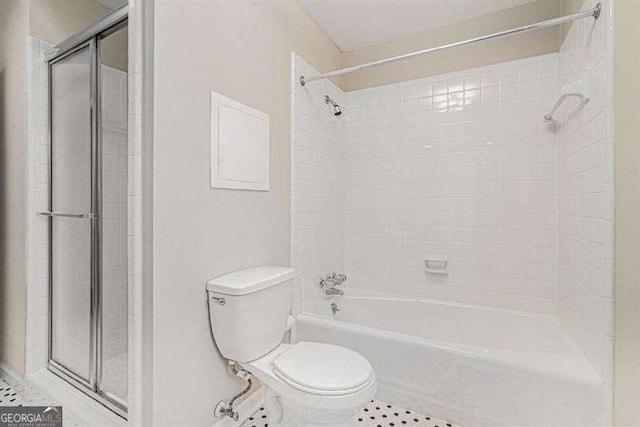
x=69 y=215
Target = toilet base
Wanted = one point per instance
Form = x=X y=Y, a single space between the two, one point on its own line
x=287 y=413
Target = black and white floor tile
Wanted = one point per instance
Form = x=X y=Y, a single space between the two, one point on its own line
x=374 y=414
x=14 y=394
x=9 y=396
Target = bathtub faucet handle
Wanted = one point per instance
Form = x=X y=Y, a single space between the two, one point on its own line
x=332 y=280
x=329 y=282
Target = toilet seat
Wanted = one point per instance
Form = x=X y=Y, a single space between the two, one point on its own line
x=323 y=369
x=263 y=368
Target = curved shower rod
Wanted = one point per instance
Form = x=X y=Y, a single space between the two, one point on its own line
x=594 y=13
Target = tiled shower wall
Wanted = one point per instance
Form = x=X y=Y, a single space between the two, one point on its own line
x=114 y=199
x=316 y=182
x=37 y=201
x=586 y=193
x=460 y=167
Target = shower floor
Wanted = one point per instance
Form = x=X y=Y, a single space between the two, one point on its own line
x=114 y=376
x=374 y=414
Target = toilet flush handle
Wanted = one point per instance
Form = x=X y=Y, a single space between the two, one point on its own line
x=219 y=300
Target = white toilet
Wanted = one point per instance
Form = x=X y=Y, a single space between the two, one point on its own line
x=307 y=384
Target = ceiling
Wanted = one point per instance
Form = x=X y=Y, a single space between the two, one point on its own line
x=353 y=24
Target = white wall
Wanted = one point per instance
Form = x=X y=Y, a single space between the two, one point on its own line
x=199 y=232
x=495 y=51
x=54 y=21
x=586 y=194
x=458 y=166
x=14 y=27
x=627 y=232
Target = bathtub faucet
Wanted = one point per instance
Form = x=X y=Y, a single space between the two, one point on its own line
x=334 y=308
x=330 y=281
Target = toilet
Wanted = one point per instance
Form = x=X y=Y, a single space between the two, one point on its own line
x=307 y=383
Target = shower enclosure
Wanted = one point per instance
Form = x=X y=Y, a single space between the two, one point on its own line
x=88 y=211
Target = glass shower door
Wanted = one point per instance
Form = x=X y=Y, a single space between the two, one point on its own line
x=88 y=263
x=72 y=270
x=113 y=126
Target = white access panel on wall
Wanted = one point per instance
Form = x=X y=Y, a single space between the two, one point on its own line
x=239 y=145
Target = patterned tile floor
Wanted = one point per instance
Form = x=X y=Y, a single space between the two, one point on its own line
x=374 y=414
x=9 y=396
x=14 y=394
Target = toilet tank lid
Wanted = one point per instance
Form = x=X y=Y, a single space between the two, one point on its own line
x=250 y=280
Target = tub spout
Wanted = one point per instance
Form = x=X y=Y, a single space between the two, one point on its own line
x=334 y=308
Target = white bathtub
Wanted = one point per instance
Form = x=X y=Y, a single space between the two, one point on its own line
x=471 y=365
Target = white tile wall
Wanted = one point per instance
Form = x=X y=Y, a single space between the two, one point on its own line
x=317 y=199
x=586 y=194
x=140 y=75
x=37 y=201
x=459 y=166
x=114 y=199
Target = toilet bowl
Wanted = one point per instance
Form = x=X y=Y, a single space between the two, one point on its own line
x=312 y=384
x=307 y=384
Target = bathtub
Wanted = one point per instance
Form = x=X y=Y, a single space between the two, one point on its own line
x=471 y=365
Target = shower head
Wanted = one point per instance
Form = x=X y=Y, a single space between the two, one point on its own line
x=336 y=108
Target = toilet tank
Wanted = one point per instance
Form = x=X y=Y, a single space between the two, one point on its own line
x=249 y=309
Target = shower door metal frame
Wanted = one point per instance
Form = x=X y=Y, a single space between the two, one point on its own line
x=55 y=366
x=87 y=38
